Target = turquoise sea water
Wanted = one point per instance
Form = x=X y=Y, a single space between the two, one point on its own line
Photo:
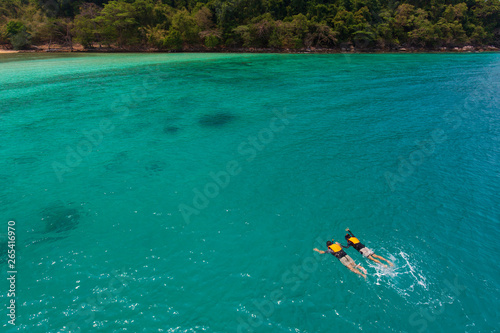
x=185 y=192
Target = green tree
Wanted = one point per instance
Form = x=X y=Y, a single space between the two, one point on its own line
x=204 y=19
x=155 y=36
x=153 y=13
x=487 y=15
x=277 y=8
x=184 y=23
x=450 y=33
x=424 y=32
x=15 y=27
x=343 y=23
x=403 y=22
x=298 y=32
x=320 y=35
x=85 y=26
x=244 y=36
x=283 y=36
x=209 y=34
x=211 y=40
x=261 y=30
x=19 y=38
x=51 y=31
x=386 y=33
x=258 y=32
x=66 y=27
x=449 y=27
x=116 y=23
x=478 y=34
x=173 y=40
x=4 y=39
x=363 y=35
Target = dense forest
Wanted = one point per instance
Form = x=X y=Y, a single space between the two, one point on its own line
x=232 y=24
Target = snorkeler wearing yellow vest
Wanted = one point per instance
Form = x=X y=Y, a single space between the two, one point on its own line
x=366 y=252
x=336 y=250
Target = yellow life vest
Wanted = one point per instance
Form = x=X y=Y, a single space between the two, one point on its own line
x=354 y=240
x=335 y=248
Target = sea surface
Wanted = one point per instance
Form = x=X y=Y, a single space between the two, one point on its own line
x=186 y=192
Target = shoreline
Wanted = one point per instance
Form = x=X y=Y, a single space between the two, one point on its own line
x=351 y=50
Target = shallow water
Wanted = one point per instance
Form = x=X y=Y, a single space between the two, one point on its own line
x=185 y=192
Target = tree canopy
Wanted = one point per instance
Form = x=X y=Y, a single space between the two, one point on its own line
x=279 y=24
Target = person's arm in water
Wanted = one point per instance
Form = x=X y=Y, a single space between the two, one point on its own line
x=322 y=252
x=346 y=247
x=349 y=231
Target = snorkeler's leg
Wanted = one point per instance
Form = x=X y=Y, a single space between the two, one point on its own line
x=380 y=257
x=378 y=262
x=361 y=268
x=356 y=271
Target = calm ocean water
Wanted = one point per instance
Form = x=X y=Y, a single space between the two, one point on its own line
x=185 y=192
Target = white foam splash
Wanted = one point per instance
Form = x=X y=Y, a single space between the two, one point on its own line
x=405 y=277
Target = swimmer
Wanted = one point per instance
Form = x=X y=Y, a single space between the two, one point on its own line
x=366 y=252
x=336 y=250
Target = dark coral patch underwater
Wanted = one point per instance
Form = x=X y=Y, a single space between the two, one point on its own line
x=60 y=218
x=216 y=119
x=170 y=129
